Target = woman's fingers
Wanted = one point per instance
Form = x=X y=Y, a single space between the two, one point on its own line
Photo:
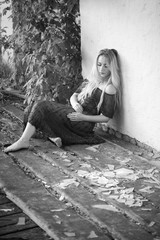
x=75 y=116
x=71 y=116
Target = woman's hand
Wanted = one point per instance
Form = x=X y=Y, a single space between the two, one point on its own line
x=76 y=116
x=77 y=107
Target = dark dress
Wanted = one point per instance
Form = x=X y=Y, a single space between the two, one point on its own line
x=51 y=118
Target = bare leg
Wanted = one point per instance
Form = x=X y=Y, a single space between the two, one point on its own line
x=57 y=141
x=23 y=142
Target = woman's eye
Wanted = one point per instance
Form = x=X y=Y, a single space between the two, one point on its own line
x=99 y=65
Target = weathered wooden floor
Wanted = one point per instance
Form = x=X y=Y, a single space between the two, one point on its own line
x=106 y=191
x=15 y=225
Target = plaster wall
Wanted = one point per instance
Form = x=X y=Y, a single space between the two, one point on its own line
x=133 y=28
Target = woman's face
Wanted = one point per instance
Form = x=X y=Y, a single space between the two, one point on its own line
x=103 y=67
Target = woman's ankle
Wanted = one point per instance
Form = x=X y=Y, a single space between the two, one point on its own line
x=23 y=141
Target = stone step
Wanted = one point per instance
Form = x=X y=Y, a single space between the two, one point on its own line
x=95 y=202
x=142 y=217
x=53 y=176
x=102 y=156
x=133 y=145
x=53 y=215
x=70 y=164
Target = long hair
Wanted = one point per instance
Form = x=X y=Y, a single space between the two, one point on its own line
x=94 y=78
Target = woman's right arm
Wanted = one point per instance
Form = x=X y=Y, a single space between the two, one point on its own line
x=75 y=104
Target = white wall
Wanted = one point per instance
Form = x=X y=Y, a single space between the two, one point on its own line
x=133 y=28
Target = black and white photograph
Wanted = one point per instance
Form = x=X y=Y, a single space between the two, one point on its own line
x=80 y=119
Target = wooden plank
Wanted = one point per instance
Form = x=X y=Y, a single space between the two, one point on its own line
x=9 y=209
x=18 y=113
x=13 y=228
x=14 y=219
x=3 y=199
x=27 y=234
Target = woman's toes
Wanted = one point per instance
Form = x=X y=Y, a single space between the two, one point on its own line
x=16 y=146
x=57 y=141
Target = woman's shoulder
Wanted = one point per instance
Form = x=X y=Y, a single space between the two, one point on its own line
x=110 y=89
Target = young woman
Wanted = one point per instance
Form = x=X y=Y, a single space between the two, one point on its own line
x=94 y=102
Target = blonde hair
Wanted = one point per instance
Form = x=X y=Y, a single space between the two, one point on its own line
x=94 y=78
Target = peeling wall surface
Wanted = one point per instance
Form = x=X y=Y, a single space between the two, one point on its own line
x=133 y=28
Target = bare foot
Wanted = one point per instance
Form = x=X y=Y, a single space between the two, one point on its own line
x=57 y=141
x=20 y=144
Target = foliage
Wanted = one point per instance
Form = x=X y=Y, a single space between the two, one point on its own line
x=5 y=70
x=46 y=42
x=5 y=65
x=4 y=39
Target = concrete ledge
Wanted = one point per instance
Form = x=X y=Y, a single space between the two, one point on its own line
x=152 y=151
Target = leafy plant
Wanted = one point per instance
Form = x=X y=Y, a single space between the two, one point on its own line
x=46 y=42
x=5 y=65
x=5 y=70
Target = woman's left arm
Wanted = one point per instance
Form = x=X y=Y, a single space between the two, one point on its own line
x=75 y=116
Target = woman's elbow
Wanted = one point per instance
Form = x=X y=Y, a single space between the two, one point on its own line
x=71 y=97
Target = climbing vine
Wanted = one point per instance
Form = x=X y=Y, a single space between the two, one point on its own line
x=46 y=43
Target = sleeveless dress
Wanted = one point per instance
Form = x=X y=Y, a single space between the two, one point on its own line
x=51 y=118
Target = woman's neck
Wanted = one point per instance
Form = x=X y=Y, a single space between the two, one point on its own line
x=105 y=81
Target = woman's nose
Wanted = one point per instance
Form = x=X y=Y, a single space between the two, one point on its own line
x=102 y=68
